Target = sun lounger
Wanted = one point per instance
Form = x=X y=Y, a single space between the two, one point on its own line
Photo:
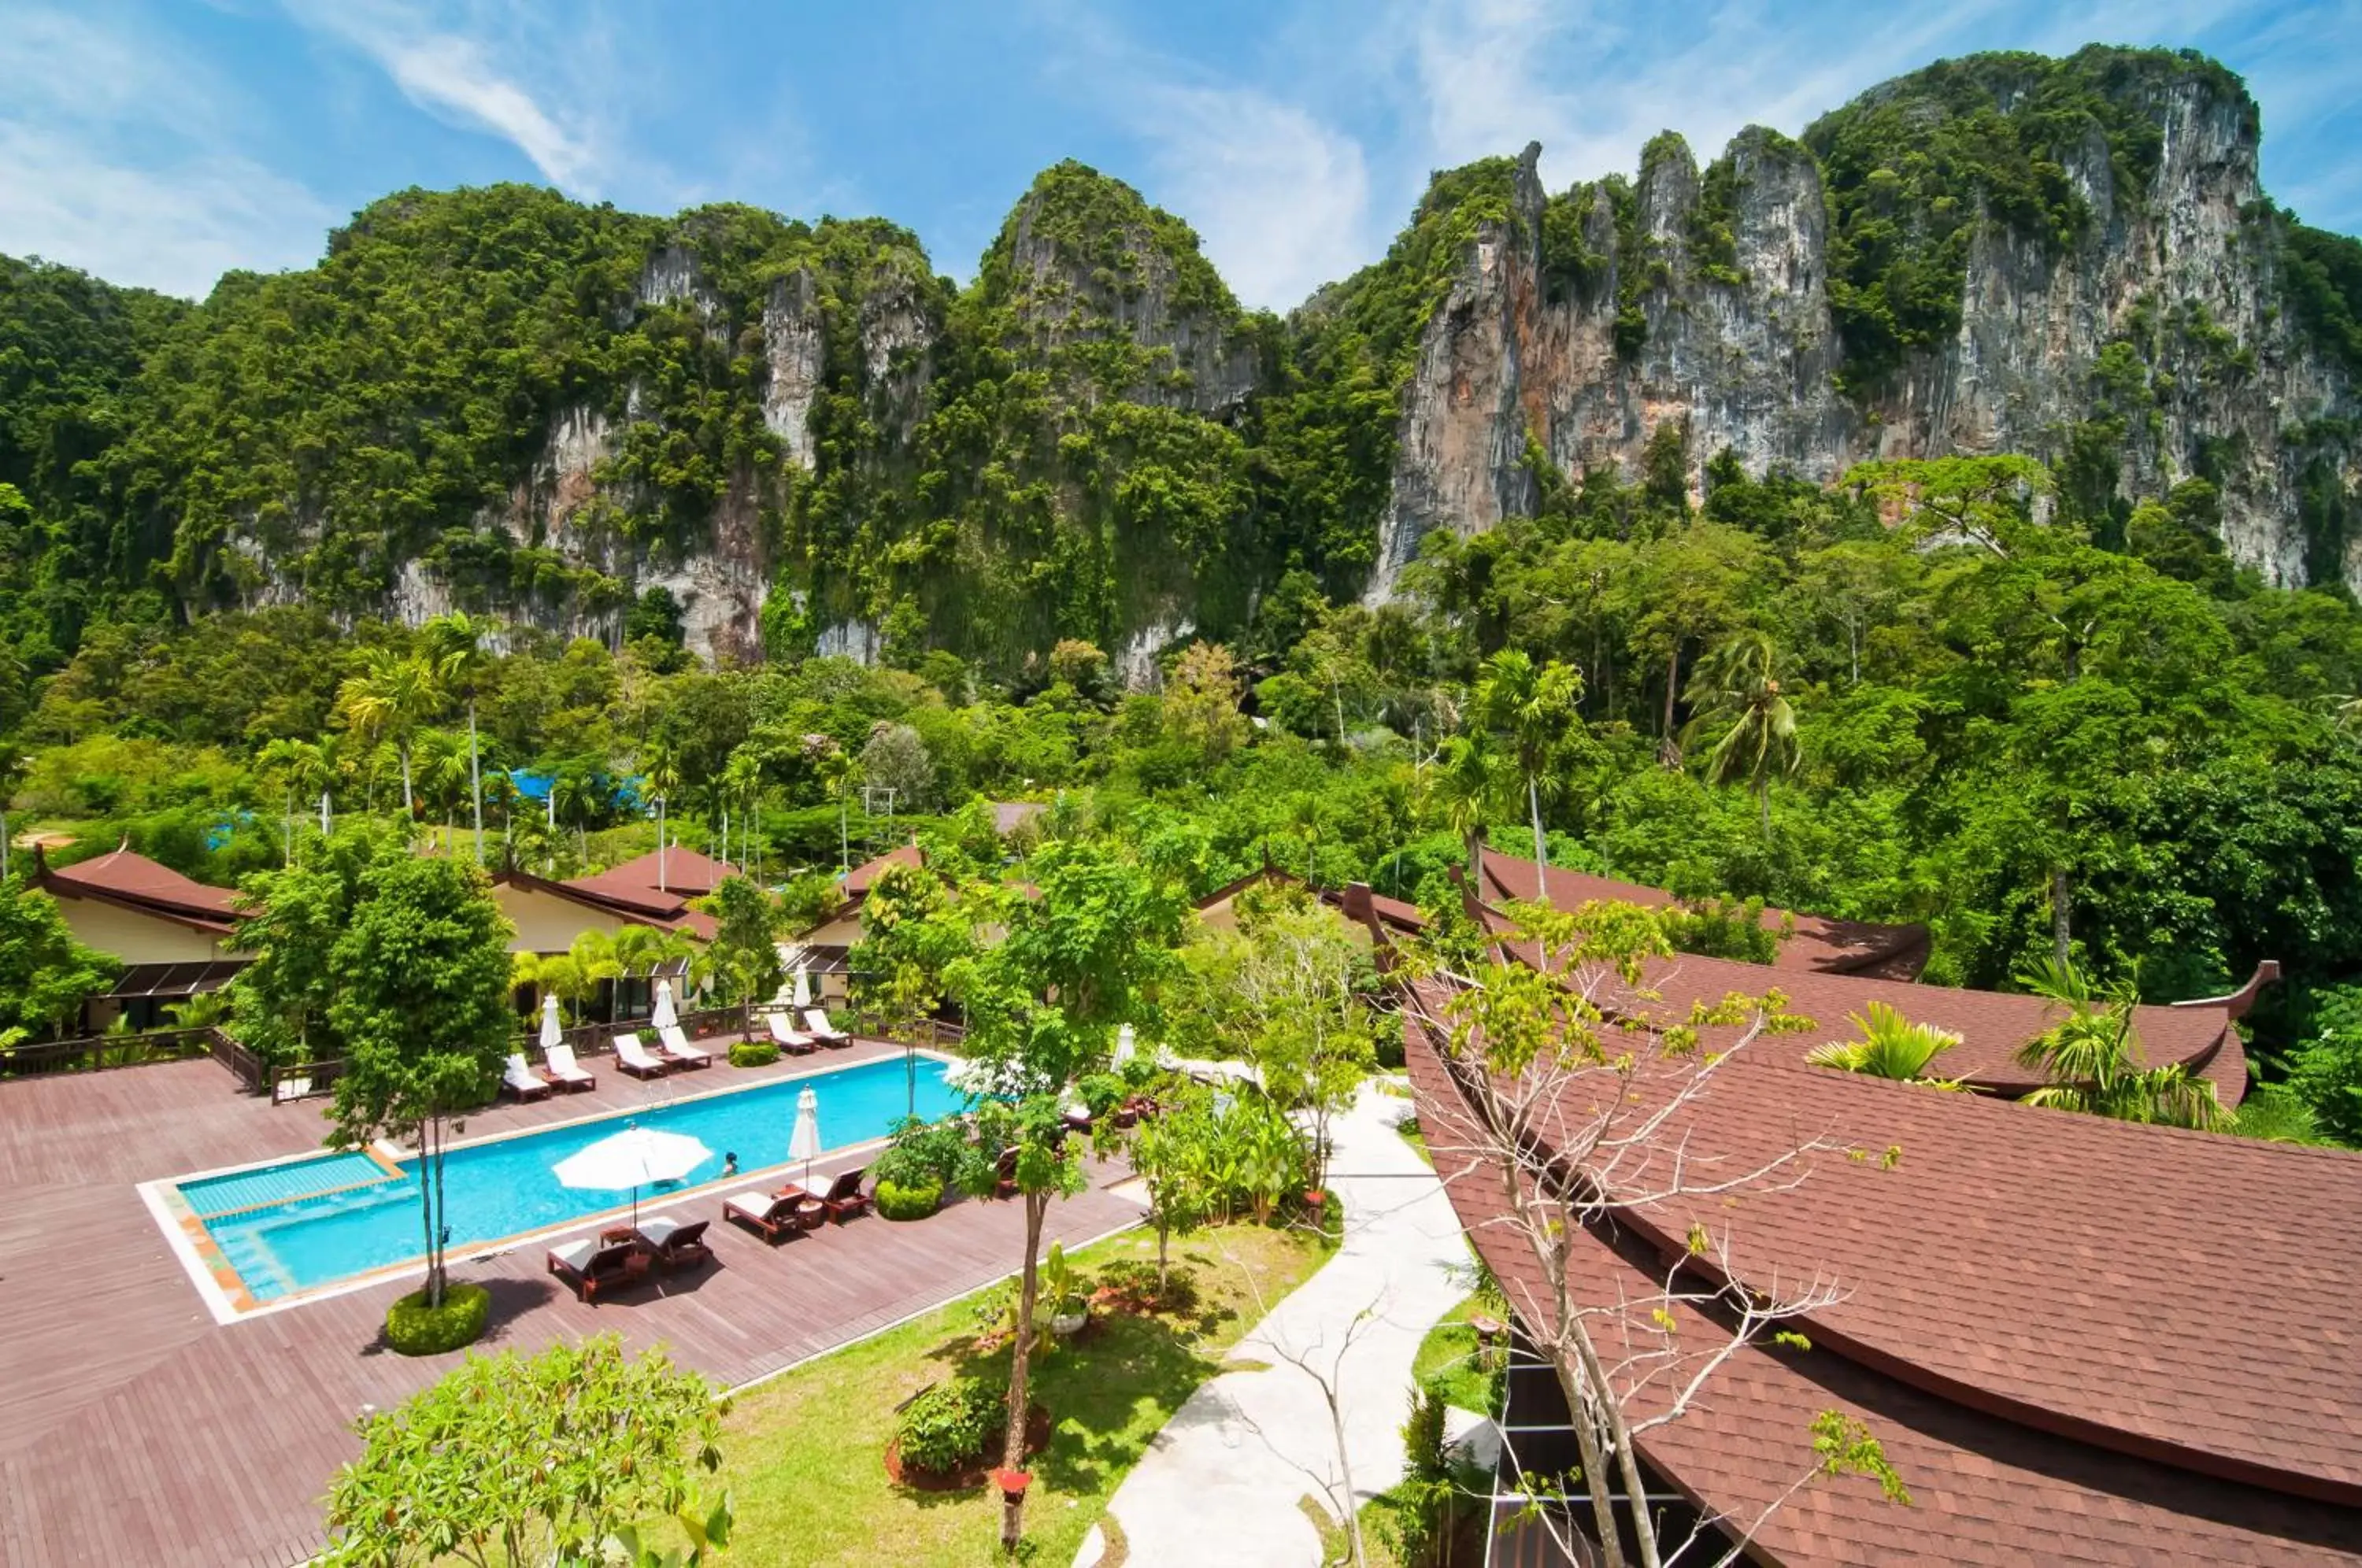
x=565 y=1071
x=788 y=1040
x=1004 y=1174
x=286 y=1090
x=679 y=1051
x=816 y=1022
x=677 y=1245
x=634 y=1058
x=843 y=1198
x=776 y=1216
x=596 y=1268
x=523 y=1081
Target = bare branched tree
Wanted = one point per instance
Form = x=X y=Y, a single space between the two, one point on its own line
x=1580 y=1104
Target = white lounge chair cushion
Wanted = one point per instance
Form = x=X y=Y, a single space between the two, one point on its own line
x=519 y=1075
x=656 y=1229
x=757 y=1203
x=676 y=1040
x=785 y=1034
x=576 y=1255
x=629 y=1049
x=817 y=1021
x=562 y=1063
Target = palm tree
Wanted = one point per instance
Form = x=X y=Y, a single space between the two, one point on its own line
x=1891 y=1046
x=2093 y=1059
x=1535 y=709
x=455 y=646
x=441 y=760
x=1735 y=697
x=390 y=696
x=1466 y=784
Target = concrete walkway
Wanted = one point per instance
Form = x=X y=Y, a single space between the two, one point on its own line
x=1222 y=1481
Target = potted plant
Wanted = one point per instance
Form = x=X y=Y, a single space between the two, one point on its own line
x=1070 y=1305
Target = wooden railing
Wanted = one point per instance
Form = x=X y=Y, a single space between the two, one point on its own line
x=97 y=1052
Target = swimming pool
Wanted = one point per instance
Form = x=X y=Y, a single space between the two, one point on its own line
x=294 y=1225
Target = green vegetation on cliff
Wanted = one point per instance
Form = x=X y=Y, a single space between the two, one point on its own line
x=1914 y=166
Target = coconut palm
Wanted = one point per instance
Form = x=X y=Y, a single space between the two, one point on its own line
x=1891 y=1046
x=1534 y=708
x=455 y=645
x=387 y=699
x=1466 y=784
x=2092 y=1058
x=1736 y=703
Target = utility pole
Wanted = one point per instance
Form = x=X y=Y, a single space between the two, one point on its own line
x=660 y=844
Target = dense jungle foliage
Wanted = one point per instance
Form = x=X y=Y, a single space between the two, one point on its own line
x=1989 y=694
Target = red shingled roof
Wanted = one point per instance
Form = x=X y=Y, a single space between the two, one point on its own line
x=686 y=871
x=857 y=880
x=2079 y=1341
x=1993 y=1025
x=135 y=881
x=1838 y=946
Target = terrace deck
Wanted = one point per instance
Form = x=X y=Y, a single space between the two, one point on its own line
x=136 y=1430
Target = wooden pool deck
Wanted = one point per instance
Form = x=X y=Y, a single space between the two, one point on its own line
x=134 y=1428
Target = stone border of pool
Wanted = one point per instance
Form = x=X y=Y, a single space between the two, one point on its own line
x=224 y=1293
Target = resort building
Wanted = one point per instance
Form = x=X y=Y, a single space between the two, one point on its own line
x=2076 y=1340
x=172 y=935
x=1814 y=942
x=1992 y=1026
x=821 y=952
x=654 y=891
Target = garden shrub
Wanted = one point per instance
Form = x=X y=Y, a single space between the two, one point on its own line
x=948 y=1426
x=922 y=1152
x=754 y=1054
x=916 y=1201
x=412 y=1327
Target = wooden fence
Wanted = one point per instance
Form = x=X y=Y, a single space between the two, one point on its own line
x=98 y=1051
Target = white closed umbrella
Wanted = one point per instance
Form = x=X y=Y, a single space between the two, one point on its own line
x=804 y=988
x=551 y=1033
x=1124 y=1045
x=803 y=1144
x=664 y=1016
x=635 y=1157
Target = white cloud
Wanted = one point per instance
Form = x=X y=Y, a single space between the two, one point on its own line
x=1281 y=200
x=122 y=159
x=449 y=70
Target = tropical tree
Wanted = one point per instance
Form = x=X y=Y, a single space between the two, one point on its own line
x=561 y=1457
x=422 y=1002
x=1085 y=957
x=2092 y=1058
x=1534 y=709
x=1173 y=1154
x=1468 y=781
x=745 y=953
x=45 y=973
x=1891 y=1046
x=1736 y=700
x=1201 y=702
x=455 y=647
x=388 y=699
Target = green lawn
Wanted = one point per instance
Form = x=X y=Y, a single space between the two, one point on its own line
x=1448 y=1356
x=803 y=1455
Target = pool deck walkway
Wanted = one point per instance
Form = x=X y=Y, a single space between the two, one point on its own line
x=136 y=1430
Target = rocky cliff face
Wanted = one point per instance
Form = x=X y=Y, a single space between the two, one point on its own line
x=2208 y=374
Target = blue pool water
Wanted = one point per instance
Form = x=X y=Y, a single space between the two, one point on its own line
x=299 y=1223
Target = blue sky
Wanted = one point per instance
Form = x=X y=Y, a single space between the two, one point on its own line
x=159 y=142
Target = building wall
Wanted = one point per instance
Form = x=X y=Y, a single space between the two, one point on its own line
x=843 y=932
x=137 y=938
x=547 y=923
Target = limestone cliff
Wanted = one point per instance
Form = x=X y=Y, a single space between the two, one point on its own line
x=2154 y=338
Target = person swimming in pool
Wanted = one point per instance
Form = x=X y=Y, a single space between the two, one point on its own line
x=729 y=1165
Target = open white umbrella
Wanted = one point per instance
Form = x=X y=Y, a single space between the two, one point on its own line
x=804 y=988
x=803 y=1144
x=664 y=1017
x=635 y=1157
x=551 y=1033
